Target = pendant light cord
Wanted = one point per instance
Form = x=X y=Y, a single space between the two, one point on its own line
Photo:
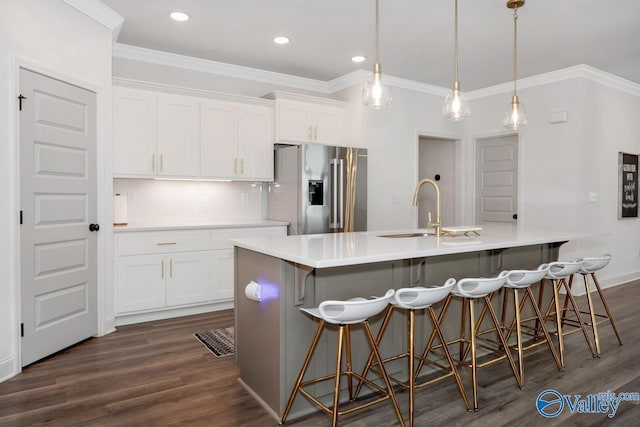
x=515 y=49
x=377 y=33
x=456 y=41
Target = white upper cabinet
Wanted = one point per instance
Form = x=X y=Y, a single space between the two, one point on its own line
x=134 y=132
x=312 y=120
x=219 y=138
x=237 y=141
x=160 y=134
x=155 y=134
x=178 y=136
x=255 y=142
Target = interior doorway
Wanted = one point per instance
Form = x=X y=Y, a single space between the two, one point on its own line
x=58 y=201
x=436 y=161
x=497 y=179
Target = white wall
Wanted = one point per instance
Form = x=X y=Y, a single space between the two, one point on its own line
x=560 y=164
x=392 y=138
x=54 y=39
x=158 y=201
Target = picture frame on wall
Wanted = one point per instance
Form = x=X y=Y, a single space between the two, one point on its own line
x=627 y=185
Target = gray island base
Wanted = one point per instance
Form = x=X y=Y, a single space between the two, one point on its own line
x=273 y=335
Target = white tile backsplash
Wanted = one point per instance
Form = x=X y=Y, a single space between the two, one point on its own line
x=161 y=201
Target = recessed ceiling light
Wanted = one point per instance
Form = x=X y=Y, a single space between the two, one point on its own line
x=358 y=58
x=179 y=16
x=281 y=39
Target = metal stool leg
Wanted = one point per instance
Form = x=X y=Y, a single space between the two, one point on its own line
x=305 y=365
x=592 y=314
x=606 y=307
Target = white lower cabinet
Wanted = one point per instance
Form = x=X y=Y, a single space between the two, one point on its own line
x=223 y=273
x=140 y=283
x=162 y=274
x=189 y=278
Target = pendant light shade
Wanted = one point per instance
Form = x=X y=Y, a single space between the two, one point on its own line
x=455 y=106
x=516 y=117
x=375 y=94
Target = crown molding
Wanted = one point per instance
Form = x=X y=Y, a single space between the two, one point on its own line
x=220 y=68
x=359 y=76
x=99 y=12
x=577 y=71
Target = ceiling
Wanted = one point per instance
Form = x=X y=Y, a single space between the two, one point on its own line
x=416 y=36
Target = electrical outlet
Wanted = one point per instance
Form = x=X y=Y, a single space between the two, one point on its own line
x=244 y=198
x=395 y=199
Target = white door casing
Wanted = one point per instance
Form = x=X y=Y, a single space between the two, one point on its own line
x=58 y=203
x=497 y=179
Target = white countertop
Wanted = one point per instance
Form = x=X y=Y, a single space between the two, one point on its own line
x=190 y=225
x=340 y=249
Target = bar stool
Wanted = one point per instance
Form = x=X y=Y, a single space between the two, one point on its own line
x=522 y=280
x=344 y=314
x=589 y=268
x=559 y=272
x=470 y=290
x=412 y=299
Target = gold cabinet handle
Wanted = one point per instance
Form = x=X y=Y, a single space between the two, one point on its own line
x=171 y=268
x=235 y=165
x=161 y=163
x=310 y=134
x=316 y=133
x=153 y=162
x=241 y=166
x=162 y=269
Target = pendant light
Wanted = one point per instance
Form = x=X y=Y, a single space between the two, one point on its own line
x=376 y=95
x=516 y=116
x=455 y=107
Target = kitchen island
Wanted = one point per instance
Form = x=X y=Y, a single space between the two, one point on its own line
x=289 y=272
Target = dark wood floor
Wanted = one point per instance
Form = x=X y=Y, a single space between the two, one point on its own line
x=157 y=374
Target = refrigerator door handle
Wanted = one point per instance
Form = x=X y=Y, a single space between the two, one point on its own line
x=341 y=195
x=337 y=194
x=333 y=220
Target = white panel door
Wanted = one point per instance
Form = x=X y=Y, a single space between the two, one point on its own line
x=58 y=203
x=178 y=136
x=497 y=179
x=134 y=132
x=188 y=278
x=256 y=142
x=219 y=139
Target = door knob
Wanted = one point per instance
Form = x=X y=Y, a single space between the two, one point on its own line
x=94 y=227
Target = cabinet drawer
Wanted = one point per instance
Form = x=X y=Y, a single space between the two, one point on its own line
x=220 y=238
x=163 y=242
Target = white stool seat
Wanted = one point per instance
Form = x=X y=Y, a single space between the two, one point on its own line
x=560 y=269
x=591 y=265
x=479 y=287
x=518 y=279
x=355 y=310
x=419 y=297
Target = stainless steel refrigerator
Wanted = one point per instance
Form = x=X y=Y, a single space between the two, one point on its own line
x=319 y=188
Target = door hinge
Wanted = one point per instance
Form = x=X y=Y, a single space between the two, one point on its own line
x=21 y=329
x=20 y=98
x=20 y=217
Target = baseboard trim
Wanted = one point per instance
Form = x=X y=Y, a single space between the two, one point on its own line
x=611 y=282
x=7 y=368
x=128 y=319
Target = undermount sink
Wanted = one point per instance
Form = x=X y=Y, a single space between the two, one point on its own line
x=403 y=235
